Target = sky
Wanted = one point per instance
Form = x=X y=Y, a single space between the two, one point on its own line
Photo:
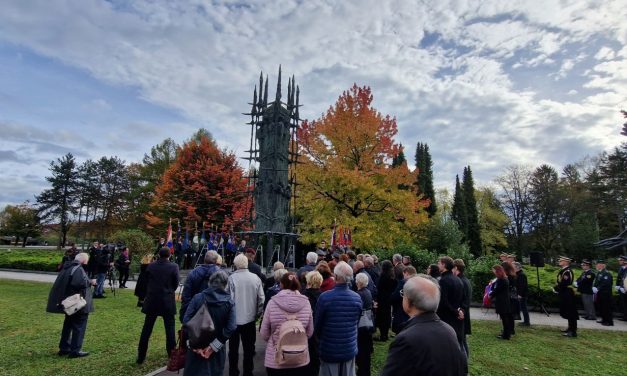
x=484 y=83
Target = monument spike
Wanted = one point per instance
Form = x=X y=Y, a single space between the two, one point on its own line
x=278 y=87
x=293 y=89
x=253 y=111
x=289 y=92
x=297 y=103
x=265 y=94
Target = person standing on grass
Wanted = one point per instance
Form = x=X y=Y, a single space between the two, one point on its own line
x=564 y=288
x=584 y=286
x=385 y=288
x=335 y=322
x=522 y=289
x=123 y=265
x=246 y=291
x=426 y=345
x=162 y=280
x=72 y=280
x=365 y=347
x=602 y=287
x=210 y=360
x=500 y=296
x=451 y=298
x=621 y=285
x=458 y=270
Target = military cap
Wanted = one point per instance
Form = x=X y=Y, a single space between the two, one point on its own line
x=586 y=261
x=511 y=256
x=503 y=254
x=564 y=258
x=600 y=261
x=622 y=257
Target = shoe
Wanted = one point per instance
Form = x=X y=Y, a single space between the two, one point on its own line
x=565 y=330
x=80 y=354
x=502 y=337
x=63 y=352
x=524 y=324
x=607 y=323
x=599 y=321
x=570 y=334
x=589 y=318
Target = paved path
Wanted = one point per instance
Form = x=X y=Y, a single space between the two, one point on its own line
x=536 y=318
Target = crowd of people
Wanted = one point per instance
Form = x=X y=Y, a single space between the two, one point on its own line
x=321 y=319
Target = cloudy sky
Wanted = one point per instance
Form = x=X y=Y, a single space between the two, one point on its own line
x=484 y=83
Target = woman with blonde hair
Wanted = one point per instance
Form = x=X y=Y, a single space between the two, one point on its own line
x=312 y=292
x=142 y=283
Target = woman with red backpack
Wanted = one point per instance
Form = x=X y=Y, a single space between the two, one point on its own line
x=287 y=324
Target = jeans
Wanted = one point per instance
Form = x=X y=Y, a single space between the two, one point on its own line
x=248 y=335
x=197 y=365
x=149 y=323
x=100 y=279
x=73 y=332
x=522 y=301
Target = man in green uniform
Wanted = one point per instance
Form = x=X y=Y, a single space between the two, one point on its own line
x=602 y=288
x=564 y=288
x=621 y=285
x=584 y=286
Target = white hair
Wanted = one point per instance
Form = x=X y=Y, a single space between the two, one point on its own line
x=361 y=279
x=397 y=257
x=278 y=265
x=368 y=261
x=211 y=257
x=240 y=262
x=343 y=272
x=423 y=292
x=312 y=257
x=279 y=273
x=82 y=257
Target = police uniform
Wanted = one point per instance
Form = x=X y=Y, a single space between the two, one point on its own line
x=584 y=286
x=566 y=293
x=603 y=290
x=621 y=287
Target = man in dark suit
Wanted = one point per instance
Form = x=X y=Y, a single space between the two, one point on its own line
x=163 y=280
x=426 y=345
x=451 y=298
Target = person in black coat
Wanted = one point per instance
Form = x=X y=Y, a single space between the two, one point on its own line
x=522 y=288
x=584 y=287
x=312 y=292
x=458 y=270
x=162 y=281
x=123 y=265
x=566 y=293
x=399 y=317
x=72 y=279
x=426 y=345
x=502 y=303
x=385 y=288
x=365 y=347
x=451 y=298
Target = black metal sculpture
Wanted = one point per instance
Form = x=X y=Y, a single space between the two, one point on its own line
x=274 y=152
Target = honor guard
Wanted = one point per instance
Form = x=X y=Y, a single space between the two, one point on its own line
x=564 y=289
x=584 y=286
x=602 y=288
x=621 y=285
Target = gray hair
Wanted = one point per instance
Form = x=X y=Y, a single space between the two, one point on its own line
x=343 y=272
x=279 y=273
x=361 y=279
x=312 y=257
x=517 y=265
x=211 y=257
x=82 y=257
x=423 y=292
x=278 y=265
x=397 y=258
x=240 y=262
x=368 y=261
x=219 y=279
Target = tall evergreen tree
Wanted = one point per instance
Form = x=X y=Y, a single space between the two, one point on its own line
x=458 y=212
x=59 y=202
x=473 y=229
x=424 y=179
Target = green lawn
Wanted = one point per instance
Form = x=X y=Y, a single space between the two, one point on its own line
x=30 y=342
x=30 y=336
x=30 y=258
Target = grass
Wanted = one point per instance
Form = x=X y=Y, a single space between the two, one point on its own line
x=30 y=342
x=30 y=336
x=535 y=351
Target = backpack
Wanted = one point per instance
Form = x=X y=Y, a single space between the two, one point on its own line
x=291 y=346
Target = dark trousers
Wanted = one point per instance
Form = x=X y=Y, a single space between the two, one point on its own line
x=286 y=371
x=522 y=301
x=364 y=353
x=508 y=324
x=384 y=320
x=123 y=276
x=313 y=368
x=572 y=325
x=605 y=308
x=149 y=323
x=623 y=302
x=73 y=332
x=248 y=335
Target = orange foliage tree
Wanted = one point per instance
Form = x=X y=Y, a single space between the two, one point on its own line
x=204 y=184
x=347 y=175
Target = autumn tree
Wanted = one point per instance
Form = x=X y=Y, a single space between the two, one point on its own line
x=346 y=175
x=20 y=221
x=492 y=221
x=204 y=183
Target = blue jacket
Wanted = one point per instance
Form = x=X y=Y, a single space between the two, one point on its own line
x=222 y=310
x=335 y=322
x=197 y=281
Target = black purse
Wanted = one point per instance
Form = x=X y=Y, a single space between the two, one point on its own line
x=200 y=329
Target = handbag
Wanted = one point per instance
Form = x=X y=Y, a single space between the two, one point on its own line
x=200 y=328
x=73 y=304
x=365 y=321
x=176 y=361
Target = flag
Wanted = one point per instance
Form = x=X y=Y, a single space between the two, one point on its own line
x=333 y=235
x=169 y=238
x=340 y=240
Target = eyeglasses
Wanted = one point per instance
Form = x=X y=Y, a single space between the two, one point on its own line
x=402 y=293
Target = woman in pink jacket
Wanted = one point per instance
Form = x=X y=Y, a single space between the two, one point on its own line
x=288 y=302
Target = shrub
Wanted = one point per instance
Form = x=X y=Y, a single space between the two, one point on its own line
x=138 y=242
x=420 y=258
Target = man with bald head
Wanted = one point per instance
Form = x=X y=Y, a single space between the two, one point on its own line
x=426 y=345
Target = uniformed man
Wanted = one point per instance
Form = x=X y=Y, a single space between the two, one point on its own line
x=503 y=257
x=564 y=288
x=621 y=285
x=602 y=287
x=584 y=286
